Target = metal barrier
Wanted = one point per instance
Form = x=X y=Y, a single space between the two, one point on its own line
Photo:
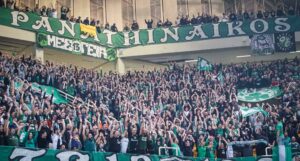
x=172 y=148
x=266 y=151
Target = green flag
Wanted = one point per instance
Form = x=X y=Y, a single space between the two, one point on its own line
x=203 y=64
x=251 y=111
x=259 y=95
x=57 y=98
x=220 y=78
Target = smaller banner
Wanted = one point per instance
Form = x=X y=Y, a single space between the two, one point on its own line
x=262 y=44
x=259 y=95
x=75 y=46
x=57 y=98
x=87 y=29
x=203 y=64
x=251 y=111
x=285 y=42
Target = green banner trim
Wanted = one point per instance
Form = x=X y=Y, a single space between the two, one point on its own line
x=66 y=29
x=14 y=153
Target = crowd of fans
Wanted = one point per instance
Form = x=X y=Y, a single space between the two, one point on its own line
x=180 y=107
x=180 y=21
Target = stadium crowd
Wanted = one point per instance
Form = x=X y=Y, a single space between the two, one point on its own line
x=192 y=111
x=182 y=20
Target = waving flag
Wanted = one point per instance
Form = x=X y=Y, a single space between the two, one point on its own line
x=203 y=64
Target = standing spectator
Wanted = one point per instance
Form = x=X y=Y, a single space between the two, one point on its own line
x=194 y=20
x=134 y=26
x=273 y=14
x=199 y=18
x=93 y=22
x=240 y=16
x=126 y=28
x=280 y=12
x=86 y=21
x=215 y=19
x=54 y=13
x=177 y=21
x=78 y=20
x=107 y=26
x=98 y=27
x=64 y=12
x=44 y=11
x=37 y=10
x=291 y=11
x=124 y=142
x=2 y=4
x=224 y=18
x=49 y=12
x=72 y=19
x=246 y=15
x=159 y=24
x=167 y=23
x=149 y=23
x=259 y=15
x=114 y=28
x=232 y=17
x=89 y=142
x=266 y=14
x=42 y=140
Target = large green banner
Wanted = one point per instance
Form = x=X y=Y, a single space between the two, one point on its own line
x=66 y=29
x=24 y=154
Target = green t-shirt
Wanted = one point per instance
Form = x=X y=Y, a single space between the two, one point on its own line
x=90 y=145
x=220 y=131
x=173 y=145
x=201 y=151
x=279 y=127
x=23 y=136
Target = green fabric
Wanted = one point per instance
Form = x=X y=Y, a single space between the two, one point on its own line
x=173 y=145
x=159 y=35
x=279 y=127
x=259 y=95
x=11 y=153
x=89 y=145
x=251 y=111
x=201 y=151
x=23 y=136
x=57 y=98
x=203 y=64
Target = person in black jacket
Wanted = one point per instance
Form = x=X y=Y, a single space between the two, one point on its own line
x=79 y=20
x=86 y=21
x=149 y=23
x=64 y=11
x=93 y=22
x=167 y=23
x=159 y=24
x=194 y=20
x=114 y=28
x=134 y=26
